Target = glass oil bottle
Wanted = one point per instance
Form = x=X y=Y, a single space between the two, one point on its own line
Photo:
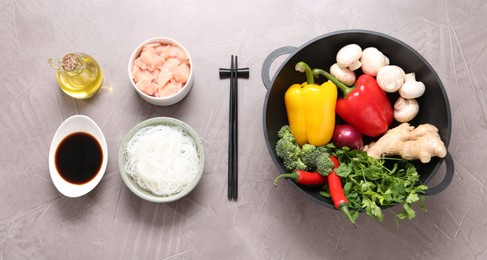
x=78 y=75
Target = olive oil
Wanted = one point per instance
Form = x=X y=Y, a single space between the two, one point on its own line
x=78 y=75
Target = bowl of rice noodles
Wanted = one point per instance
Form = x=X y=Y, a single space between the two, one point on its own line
x=161 y=159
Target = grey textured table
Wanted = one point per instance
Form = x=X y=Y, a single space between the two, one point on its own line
x=37 y=222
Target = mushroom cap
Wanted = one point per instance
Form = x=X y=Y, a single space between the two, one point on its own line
x=405 y=109
x=349 y=55
x=412 y=88
x=343 y=75
x=372 y=61
x=390 y=78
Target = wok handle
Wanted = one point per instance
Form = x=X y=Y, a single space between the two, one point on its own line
x=450 y=170
x=266 y=78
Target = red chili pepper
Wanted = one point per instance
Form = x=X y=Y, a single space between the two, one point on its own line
x=303 y=178
x=336 y=191
x=364 y=105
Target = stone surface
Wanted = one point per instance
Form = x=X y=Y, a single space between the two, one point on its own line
x=267 y=222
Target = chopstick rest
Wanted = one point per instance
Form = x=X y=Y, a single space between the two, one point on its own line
x=233 y=73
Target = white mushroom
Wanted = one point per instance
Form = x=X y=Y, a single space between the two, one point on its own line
x=405 y=109
x=411 y=88
x=343 y=75
x=372 y=61
x=390 y=78
x=349 y=57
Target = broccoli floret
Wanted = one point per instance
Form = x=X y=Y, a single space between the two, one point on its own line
x=289 y=151
x=311 y=153
x=308 y=156
x=285 y=133
x=324 y=165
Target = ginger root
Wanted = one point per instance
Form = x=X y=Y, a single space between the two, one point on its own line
x=422 y=142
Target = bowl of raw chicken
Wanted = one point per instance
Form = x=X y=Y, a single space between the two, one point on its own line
x=161 y=71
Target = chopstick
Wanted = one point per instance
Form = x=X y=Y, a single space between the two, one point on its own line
x=234 y=72
x=231 y=133
x=235 y=130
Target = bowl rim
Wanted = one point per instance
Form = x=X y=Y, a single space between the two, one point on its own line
x=147 y=195
x=136 y=53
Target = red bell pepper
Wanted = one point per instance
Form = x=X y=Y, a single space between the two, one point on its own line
x=365 y=105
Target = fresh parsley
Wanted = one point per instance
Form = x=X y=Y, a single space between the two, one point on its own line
x=372 y=184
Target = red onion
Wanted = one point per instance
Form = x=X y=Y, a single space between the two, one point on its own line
x=347 y=135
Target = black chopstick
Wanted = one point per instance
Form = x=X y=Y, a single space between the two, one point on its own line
x=230 y=133
x=235 y=130
x=233 y=73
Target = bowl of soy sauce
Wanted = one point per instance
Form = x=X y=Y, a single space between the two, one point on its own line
x=78 y=156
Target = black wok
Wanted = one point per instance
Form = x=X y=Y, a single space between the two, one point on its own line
x=321 y=53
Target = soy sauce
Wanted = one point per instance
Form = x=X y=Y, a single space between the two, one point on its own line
x=78 y=158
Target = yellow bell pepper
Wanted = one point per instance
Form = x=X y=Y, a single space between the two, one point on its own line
x=311 y=109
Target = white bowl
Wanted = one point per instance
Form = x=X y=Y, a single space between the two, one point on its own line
x=161 y=101
x=74 y=124
x=146 y=194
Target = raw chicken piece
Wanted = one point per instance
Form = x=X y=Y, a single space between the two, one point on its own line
x=168 y=90
x=178 y=53
x=135 y=71
x=155 y=75
x=153 y=45
x=170 y=64
x=164 y=77
x=151 y=59
x=162 y=50
x=148 y=88
x=179 y=85
x=144 y=76
x=139 y=63
x=181 y=72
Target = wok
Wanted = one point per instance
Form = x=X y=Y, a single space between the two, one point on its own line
x=320 y=52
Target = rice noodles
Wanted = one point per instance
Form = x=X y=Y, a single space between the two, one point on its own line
x=162 y=159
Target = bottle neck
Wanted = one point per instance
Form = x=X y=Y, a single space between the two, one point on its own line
x=70 y=63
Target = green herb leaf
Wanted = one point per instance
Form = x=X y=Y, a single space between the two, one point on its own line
x=409 y=211
x=370 y=183
x=325 y=194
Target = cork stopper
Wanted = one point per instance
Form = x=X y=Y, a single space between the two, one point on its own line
x=70 y=62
